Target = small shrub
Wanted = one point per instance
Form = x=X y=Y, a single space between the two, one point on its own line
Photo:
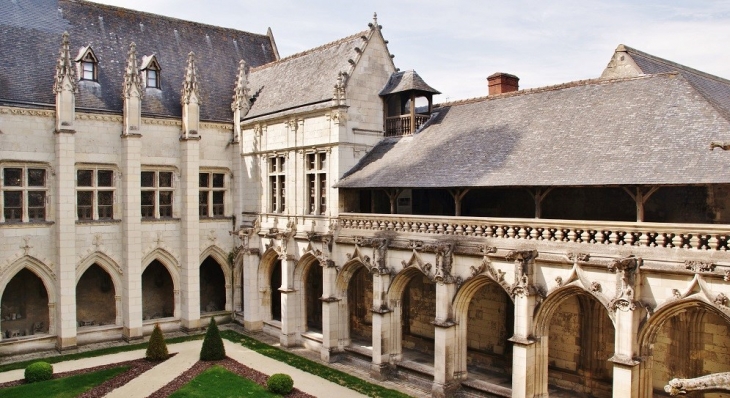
x=157 y=348
x=38 y=371
x=280 y=383
x=212 y=349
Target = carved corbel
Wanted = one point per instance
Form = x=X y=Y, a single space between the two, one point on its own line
x=244 y=233
x=523 y=272
x=323 y=256
x=444 y=261
x=627 y=268
x=380 y=255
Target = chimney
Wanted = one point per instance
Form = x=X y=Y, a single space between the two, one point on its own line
x=500 y=83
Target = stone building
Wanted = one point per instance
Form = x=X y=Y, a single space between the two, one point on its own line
x=566 y=241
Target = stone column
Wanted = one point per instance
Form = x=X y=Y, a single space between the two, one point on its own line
x=65 y=198
x=380 y=367
x=131 y=201
x=444 y=384
x=189 y=216
x=290 y=318
x=330 y=314
x=625 y=367
x=251 y=295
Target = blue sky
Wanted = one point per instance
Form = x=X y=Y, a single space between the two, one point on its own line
x=454 y=45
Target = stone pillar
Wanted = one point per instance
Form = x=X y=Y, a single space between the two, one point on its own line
x=251 y=294
x=525 y=367
x=330 y=315
x=189 y=216
x=628 y=317
x=380 y=367
x=131 y=203
x=290 y=318
x=65 y=198
x=444 y=384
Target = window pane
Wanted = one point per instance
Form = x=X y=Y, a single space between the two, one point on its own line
x=88 y=71
x=310 y=161
x=282 y=190
x=166 y=204
x=203 y=203
x=322 y=161
x=151 y=78
x=148 y=203
x=36 y=177
x=106 y=205
x=36 y=205
x=272 y=165
x=13 y=206
x=148 y=178
x=84 y=207
x=203 y=180
x=218 y=206
x=272 y=187
x=84 y=178
x=312 y=189
x=282 y=163
x=323 y=193
x=165 y=179
x=104 y=178
x=218 y=180
x=13 y=177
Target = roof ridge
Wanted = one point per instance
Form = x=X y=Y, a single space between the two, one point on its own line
x=310 y=51
x=561 y=86
x=676 y=65
x=160 y=16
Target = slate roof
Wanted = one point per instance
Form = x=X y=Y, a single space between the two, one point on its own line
x=714 y=88
x=302 y=79
x=406 y=81
x=653 y=129
x=30 y=37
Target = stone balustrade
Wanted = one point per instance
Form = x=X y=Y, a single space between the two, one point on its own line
x=669 y=235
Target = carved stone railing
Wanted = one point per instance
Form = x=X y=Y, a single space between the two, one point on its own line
x=401 y=125
x=684 y=236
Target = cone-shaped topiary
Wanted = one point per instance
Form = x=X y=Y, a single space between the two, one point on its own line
x=213 y=349
x=157 y=348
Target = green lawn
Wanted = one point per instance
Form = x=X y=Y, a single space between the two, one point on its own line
x=218 y=382
x=67 y=387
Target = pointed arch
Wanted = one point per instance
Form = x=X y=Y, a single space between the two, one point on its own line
x=221 y=258
x=36 y=266
x=106 y=263
x=167 y=260
x=400 y=281
x=551 y=303
x=343 y=277
x=305 y=290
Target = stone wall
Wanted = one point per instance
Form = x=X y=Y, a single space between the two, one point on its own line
x=419 y=310
x=359 y=302
x=490 y=324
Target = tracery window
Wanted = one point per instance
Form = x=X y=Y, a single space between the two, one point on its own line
x=24 y=194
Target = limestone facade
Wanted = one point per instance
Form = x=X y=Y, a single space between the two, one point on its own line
x=246 y=220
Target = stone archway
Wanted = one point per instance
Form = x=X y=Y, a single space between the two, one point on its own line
x=158 y=292
x=484 y=316
x=686 y=339
x=580 y=340
x=412 y=297
x=275 y=280
x=213 y=297
x=359 y=304
x=24 y=306
x=312 y=295
x=96 y=303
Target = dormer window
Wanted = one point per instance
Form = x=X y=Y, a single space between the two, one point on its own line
x=88 y=64
x=151 y=70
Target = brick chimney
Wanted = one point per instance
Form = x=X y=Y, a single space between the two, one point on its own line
x=500 y=83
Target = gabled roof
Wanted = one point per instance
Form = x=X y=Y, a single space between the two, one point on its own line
x=653 y=129
x=302 y=79
x=30 y=36
x=406 y=81
x=715 y=89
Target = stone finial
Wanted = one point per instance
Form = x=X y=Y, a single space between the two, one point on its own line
x=338 y=95
x=65 y=68
x=241 y=98
x=132 y=79
x=374 y=24
x=190 y=90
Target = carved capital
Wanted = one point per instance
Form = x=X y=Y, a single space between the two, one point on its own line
x=626 y=268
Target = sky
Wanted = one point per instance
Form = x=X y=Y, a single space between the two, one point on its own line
x=455 y=44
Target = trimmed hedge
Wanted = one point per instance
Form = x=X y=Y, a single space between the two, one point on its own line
x=280 y=383
x=38 y=371
x=212 y=349
x=157 y=348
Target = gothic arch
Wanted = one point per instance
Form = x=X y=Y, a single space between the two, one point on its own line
x=106 y=263
x=343 y=277
x=221 y=258
x=301 y=287
x=400 y=281
x=168 y=260
x=266 y=266
x=547 y=308
x=461 y=302
x=38 y=267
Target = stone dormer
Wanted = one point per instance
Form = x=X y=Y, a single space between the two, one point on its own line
x=151 y=72
x=88 y=64
x=621 y=65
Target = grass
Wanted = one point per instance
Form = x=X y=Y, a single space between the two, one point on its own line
x=325 y=372
x=218 y=382
x=67 y=387
x=96 y=353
